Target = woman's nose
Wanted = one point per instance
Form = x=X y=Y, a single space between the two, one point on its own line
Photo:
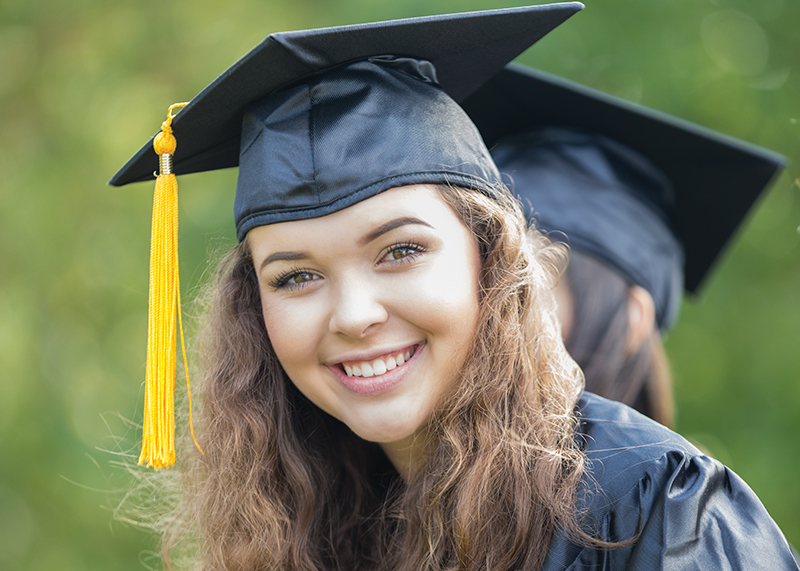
x=357 y=309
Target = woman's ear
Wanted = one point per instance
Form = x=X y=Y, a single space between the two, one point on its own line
x=641 y=318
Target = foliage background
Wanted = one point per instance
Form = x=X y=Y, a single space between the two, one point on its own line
x=83 y=83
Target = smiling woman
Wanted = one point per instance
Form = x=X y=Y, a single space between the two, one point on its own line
x=384 y=299
x=403 y=290
x=385 y=385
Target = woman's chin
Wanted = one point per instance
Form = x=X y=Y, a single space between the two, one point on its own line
x=387 y=434
x=394 y=420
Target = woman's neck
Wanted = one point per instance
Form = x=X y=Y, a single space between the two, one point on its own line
x=406 y=455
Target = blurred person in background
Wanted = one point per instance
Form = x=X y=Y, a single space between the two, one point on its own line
x=646 y=203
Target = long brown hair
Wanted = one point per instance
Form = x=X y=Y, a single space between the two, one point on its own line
x=283 y=485
x=598 y=342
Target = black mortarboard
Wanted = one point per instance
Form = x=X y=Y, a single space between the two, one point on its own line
x=319 y=120
x=314 y=68
x=684 y=189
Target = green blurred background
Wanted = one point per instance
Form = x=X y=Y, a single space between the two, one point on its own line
x=83 y=83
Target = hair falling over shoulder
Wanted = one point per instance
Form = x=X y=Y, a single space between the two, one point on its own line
x=282 y=485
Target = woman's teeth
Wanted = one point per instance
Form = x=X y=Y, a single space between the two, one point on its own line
x=378 y=366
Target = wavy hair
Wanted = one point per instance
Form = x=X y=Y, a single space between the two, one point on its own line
x=283 y=485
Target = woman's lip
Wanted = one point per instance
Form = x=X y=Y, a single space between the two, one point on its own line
x=371 y=356
x=381 y=383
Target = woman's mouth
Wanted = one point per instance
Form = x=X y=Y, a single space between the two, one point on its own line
x=373 y=376
x=379 y=366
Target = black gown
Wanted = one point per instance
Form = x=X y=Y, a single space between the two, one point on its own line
x=690 y=511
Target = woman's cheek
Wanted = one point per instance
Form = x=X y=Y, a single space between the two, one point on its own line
x=452 y=288
x=443 y=300
x=290 y=329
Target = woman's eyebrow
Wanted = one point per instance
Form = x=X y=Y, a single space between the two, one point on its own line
x=379 y=231
x=389 y=226
x=278 y=256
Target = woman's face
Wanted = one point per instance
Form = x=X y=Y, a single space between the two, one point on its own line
x=372 y=310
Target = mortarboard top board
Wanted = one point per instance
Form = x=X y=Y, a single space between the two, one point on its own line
x=317 y=121
x=466 y=49
x=716 y=178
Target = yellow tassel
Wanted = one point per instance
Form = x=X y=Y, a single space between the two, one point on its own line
x=158 y=431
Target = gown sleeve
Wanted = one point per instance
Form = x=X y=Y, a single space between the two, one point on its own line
x=675 y=508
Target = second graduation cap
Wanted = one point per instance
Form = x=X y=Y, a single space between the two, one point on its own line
x=655 y=196
x=318 y=120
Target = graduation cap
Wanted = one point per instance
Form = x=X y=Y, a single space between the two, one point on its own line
x=653 y=195
x=318 y=120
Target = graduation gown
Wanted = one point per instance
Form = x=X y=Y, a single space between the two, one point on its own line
x=689 y=511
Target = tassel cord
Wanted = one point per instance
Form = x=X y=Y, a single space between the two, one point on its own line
x=158 y=432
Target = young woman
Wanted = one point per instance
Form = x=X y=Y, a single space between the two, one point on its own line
x=385 y=383
x=645 y=201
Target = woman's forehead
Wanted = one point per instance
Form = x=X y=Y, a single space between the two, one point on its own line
x=419 y=206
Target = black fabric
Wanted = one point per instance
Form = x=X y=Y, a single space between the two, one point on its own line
x=608 y=200
x=350 y=134
x=686 y=510
x=466 y=49
x=716 y=178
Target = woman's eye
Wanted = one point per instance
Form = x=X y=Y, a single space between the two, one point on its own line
x=293 y=278
x=301 y=277
x=402 y=253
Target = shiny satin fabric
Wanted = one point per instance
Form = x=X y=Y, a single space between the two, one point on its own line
x=349 y=134
x=685 y=510
x=717 y=179
x=466 y=49
x=610 y=201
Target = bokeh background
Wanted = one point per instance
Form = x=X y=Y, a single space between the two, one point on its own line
x=83 y=83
